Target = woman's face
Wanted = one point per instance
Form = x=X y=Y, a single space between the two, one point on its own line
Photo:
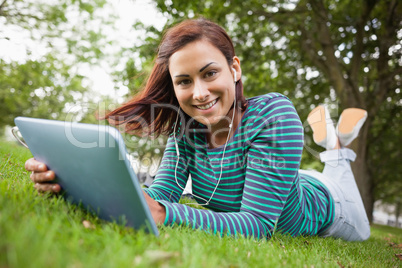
x=204 y=83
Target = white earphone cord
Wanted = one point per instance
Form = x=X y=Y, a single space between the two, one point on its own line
x=223 y=154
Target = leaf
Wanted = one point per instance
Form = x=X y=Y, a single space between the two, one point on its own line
x=399 y=256
x=394 y=245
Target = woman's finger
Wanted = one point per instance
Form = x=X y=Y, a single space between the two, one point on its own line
x=34 y=165
x=42 y=176
x=47 y=187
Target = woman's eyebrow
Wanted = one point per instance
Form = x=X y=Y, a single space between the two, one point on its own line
x=203 y=68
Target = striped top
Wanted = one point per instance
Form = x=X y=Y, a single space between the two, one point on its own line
x=260 y=190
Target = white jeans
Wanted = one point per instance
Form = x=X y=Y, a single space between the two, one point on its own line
x=350 y=223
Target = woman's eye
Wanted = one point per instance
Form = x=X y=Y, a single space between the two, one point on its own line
x=210 y=73
x=184 y=82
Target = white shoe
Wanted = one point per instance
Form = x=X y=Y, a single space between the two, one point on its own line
x=349 y=124
x=324 y=133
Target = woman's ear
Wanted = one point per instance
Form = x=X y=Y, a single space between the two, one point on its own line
x=236 y=68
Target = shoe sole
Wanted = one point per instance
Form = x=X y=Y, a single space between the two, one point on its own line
x=350 y=117
x=317 y=122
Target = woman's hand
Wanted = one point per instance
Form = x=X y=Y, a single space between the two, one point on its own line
x=158 y=211
x=41 y=176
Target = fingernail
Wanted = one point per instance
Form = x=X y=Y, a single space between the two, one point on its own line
x=41 y=166
x=54 y=188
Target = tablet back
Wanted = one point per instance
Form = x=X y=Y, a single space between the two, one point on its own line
x=91 y=165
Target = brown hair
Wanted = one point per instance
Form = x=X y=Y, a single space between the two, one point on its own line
x=154 y=109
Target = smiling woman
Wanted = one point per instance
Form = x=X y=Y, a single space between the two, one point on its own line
x=243 y=155
x=204 y=84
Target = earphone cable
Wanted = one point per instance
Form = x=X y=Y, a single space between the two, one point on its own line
x=223 y=155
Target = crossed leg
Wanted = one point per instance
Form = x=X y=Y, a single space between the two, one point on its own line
x=350 y=221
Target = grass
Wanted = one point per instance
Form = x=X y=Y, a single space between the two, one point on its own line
x=45 y=231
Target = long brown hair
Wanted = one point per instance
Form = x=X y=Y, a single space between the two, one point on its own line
x=154 y=109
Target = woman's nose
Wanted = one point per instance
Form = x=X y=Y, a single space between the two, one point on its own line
x=201 y=92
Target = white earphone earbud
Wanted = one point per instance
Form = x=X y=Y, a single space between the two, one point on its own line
x=235 y=75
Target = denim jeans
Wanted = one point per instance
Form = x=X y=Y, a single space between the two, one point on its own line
x=350 y=223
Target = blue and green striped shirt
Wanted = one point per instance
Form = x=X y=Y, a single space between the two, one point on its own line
x=260 y=186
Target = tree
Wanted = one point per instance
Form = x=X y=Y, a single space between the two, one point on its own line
x=345 y=53
x=46 y=80
x=36 y=89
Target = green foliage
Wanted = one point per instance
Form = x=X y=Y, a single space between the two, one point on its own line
x=68 y=26
x=45 y=231
x=147 y=151
x=37 y=89
x=139 y=59
x=47 y=82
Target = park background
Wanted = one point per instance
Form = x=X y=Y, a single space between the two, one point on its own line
x=70 y=60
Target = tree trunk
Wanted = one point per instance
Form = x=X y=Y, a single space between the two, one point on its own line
x=361 y=171
x=397 y=212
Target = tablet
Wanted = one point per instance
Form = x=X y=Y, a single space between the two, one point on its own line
x=91 y=166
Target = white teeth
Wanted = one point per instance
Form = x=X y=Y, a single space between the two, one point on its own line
x=207 y=106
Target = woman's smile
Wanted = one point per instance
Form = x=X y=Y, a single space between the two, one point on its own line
x=208 y=105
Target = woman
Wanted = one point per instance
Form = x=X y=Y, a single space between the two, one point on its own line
x=243 y=155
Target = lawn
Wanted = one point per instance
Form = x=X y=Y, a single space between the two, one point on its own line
x=38 y=230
